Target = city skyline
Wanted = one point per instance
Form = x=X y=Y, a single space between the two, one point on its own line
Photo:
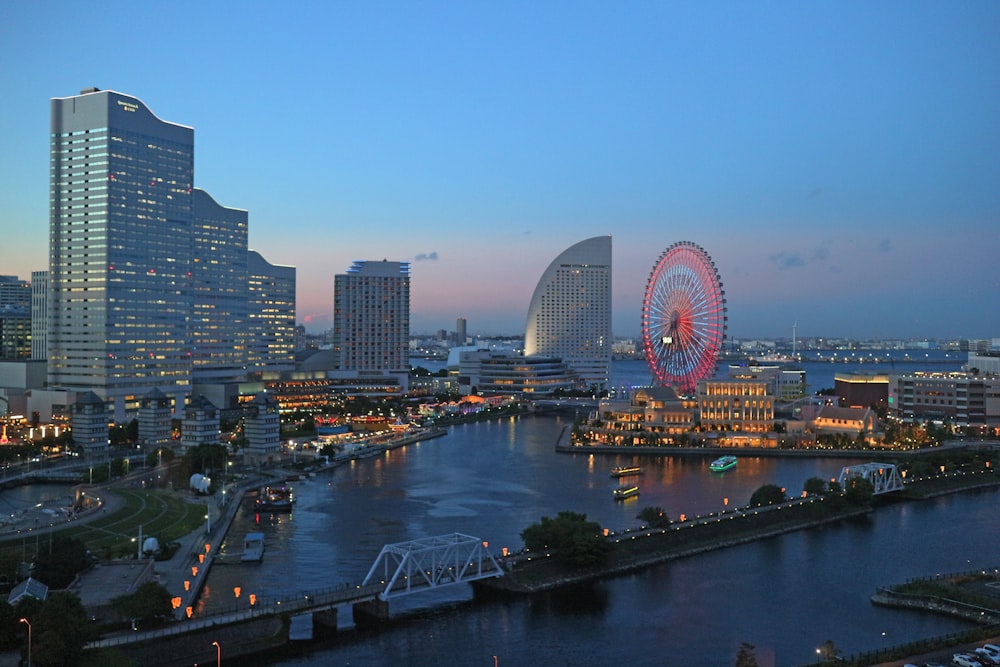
x=839 y=163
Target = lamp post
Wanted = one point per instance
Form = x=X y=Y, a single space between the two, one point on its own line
x=25 y=621
x=218 y=654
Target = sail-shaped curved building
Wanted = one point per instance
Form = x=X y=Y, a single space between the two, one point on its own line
x=570 y=312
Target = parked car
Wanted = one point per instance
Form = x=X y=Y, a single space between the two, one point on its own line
x=992 y=648
x=986 y=657
x=965 y=660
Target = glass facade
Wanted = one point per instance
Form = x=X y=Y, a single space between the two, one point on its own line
x=570 y=312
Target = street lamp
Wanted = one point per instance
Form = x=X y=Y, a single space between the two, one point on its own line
x=25 y=621
x=218 y=654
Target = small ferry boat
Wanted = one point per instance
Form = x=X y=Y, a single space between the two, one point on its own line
x=722 y=464
x=253 y=547
x=274 y=499
x=623 y=492
x=625 y=471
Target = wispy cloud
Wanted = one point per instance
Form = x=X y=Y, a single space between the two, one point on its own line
x=787 y=260
x=426 y=257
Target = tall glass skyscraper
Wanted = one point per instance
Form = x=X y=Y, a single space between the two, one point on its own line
x=119 y=248
x=570 y=312
x=149 y=284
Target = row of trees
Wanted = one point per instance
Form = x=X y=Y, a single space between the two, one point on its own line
x=578 y=542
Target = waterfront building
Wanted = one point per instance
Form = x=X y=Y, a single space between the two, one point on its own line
x=742 y=407
x=853 y=422
x=89 y=424
x=862 y=389
x=785 y=383
x=960 y=399
x=651 y=416
x=986 y=363
x=262 y=427
x=529 y=377
x=271 y=315
x=149 y=281
x=39 y=314
x=371 y=316
x=569 y=316
x=218 y=281
x=120 y=249
x=154 y=420
x=200 y=425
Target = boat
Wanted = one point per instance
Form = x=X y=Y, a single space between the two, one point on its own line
x=624 y=471
x=722 y=464
x=274 y=499
x=253 y=547
x=623 y=492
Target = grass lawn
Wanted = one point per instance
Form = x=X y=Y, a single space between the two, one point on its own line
x=161 y=514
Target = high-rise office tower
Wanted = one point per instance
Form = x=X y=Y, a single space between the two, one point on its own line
x=119 y=249
x=218 y=290
x=39 y=314
x=149 y=279
x=371 y=316
x=270 y=316
x=570 y=312
x=461 y=331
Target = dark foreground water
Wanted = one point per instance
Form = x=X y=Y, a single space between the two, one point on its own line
x=786 y=595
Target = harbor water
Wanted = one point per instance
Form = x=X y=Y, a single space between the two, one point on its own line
x=786 y=595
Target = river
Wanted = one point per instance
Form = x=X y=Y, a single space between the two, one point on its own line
x=786 y=595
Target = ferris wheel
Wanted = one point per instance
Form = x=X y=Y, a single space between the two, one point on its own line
x=683 y=317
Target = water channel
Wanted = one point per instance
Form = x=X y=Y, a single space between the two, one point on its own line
x=786 y=595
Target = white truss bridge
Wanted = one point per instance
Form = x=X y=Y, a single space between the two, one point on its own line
x=431 y=562
x=884 y=477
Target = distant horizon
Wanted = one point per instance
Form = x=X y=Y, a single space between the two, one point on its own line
x=839 y=162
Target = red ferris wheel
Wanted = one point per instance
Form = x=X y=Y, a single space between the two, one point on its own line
x=683 y=317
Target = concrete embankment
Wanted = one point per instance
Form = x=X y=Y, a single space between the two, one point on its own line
x=889 y=598
x=651 y=548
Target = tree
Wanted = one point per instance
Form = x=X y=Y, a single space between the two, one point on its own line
x=149 y=602
x=745 y=657
x=767 y=495
x=60 y=629
x=59 y=565
x=859 y=491
x=814 y=486
x=575 y=541
x=654 y=517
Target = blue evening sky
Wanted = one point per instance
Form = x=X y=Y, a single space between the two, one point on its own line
x=840 y=161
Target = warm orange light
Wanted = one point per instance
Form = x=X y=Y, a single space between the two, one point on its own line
x=486 y=545
x=683 y=517
x=725 y=501
x=504 y=552
x=201 y=558
x=190 y=612
x=187 y=585
x=237 y=590
x=606 y=532
x=253 y=599
x=208 y=547
x=175 y=603
x=194 y=570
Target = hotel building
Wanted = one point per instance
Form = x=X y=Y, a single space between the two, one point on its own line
x=570 y=312
x=148 y=277
x=371 y=317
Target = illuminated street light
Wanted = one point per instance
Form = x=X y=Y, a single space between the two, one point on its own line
x=25 y=621
x=218 y=654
